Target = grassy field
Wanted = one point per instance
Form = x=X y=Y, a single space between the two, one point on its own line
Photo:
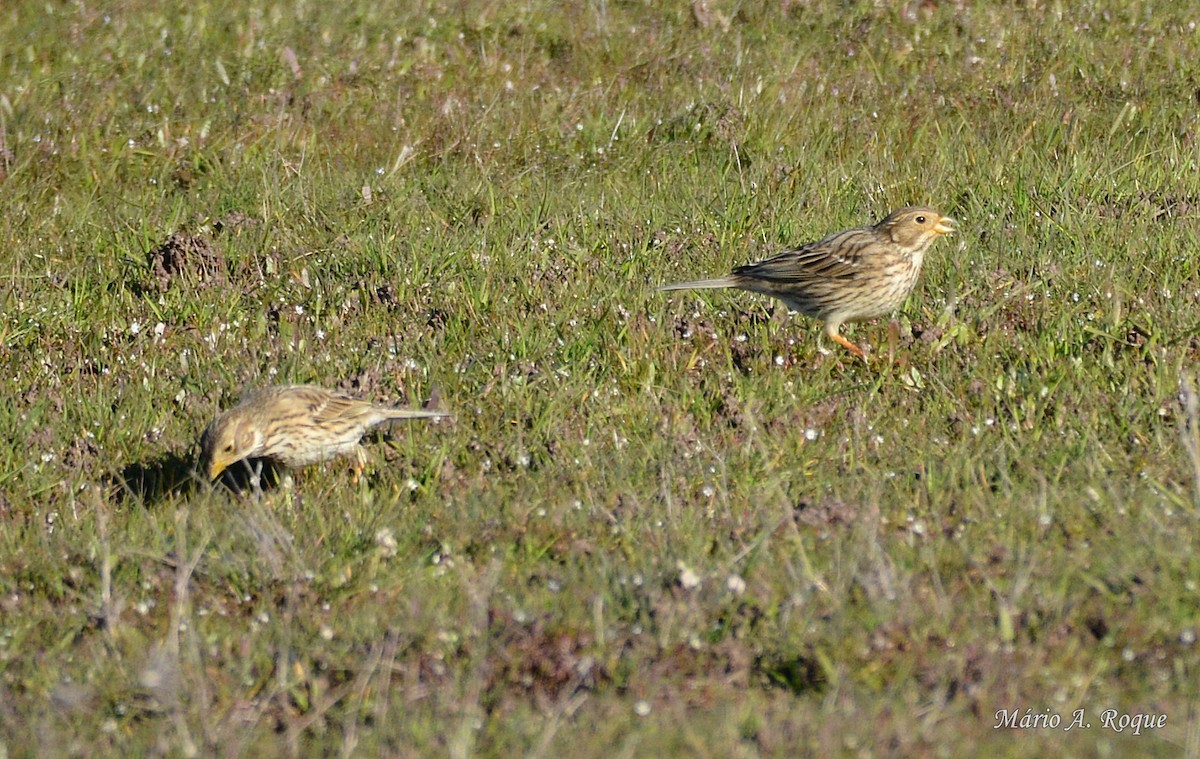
x=657 y=525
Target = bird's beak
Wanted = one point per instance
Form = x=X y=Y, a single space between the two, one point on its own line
x=216 y=466
x=945 y=226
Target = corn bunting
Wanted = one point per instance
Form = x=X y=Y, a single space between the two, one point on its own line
x=855 y=275
x=293 y=426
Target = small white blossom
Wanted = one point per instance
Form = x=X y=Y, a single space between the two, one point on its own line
x=688 y=579
x=386 y=542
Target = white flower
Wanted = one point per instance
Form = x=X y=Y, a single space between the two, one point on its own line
x=385 y=541
x=688 y=579
x=736 y=584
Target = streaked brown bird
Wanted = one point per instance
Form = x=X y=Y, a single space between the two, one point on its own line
x=294 y=426
x=851 y=276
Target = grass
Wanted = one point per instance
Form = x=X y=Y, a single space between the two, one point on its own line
x=657 y=525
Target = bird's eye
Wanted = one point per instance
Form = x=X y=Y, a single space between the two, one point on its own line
x=229 y=448
x=920 y=219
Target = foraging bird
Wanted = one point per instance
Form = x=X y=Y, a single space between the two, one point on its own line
x=855 y=275
x=293 y=426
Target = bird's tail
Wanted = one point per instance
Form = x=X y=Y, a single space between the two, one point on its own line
x=412 y=413
x=701 y=284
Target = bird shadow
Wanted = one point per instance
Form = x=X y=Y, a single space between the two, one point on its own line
x=156 y=479
x=171 y=474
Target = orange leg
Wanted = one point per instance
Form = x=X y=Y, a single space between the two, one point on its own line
x=837 y=338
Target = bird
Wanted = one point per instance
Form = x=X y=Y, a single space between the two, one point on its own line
x=294 y=426
x=850 y=276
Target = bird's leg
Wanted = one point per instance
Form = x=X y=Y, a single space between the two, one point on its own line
x=837 y=338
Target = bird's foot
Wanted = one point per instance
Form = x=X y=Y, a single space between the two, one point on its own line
x=857 y=351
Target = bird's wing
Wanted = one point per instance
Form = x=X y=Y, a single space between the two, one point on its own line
x=836 y=257
x=317 y=403
x=327 y=407
x=347 y=408
x=336 y=406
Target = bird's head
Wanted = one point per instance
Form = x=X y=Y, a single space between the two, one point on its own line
x=915 y=227
x=230 y=438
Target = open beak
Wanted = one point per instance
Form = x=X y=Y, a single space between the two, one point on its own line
x=945 y=226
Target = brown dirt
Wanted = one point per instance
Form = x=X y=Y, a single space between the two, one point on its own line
x=193 y=259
